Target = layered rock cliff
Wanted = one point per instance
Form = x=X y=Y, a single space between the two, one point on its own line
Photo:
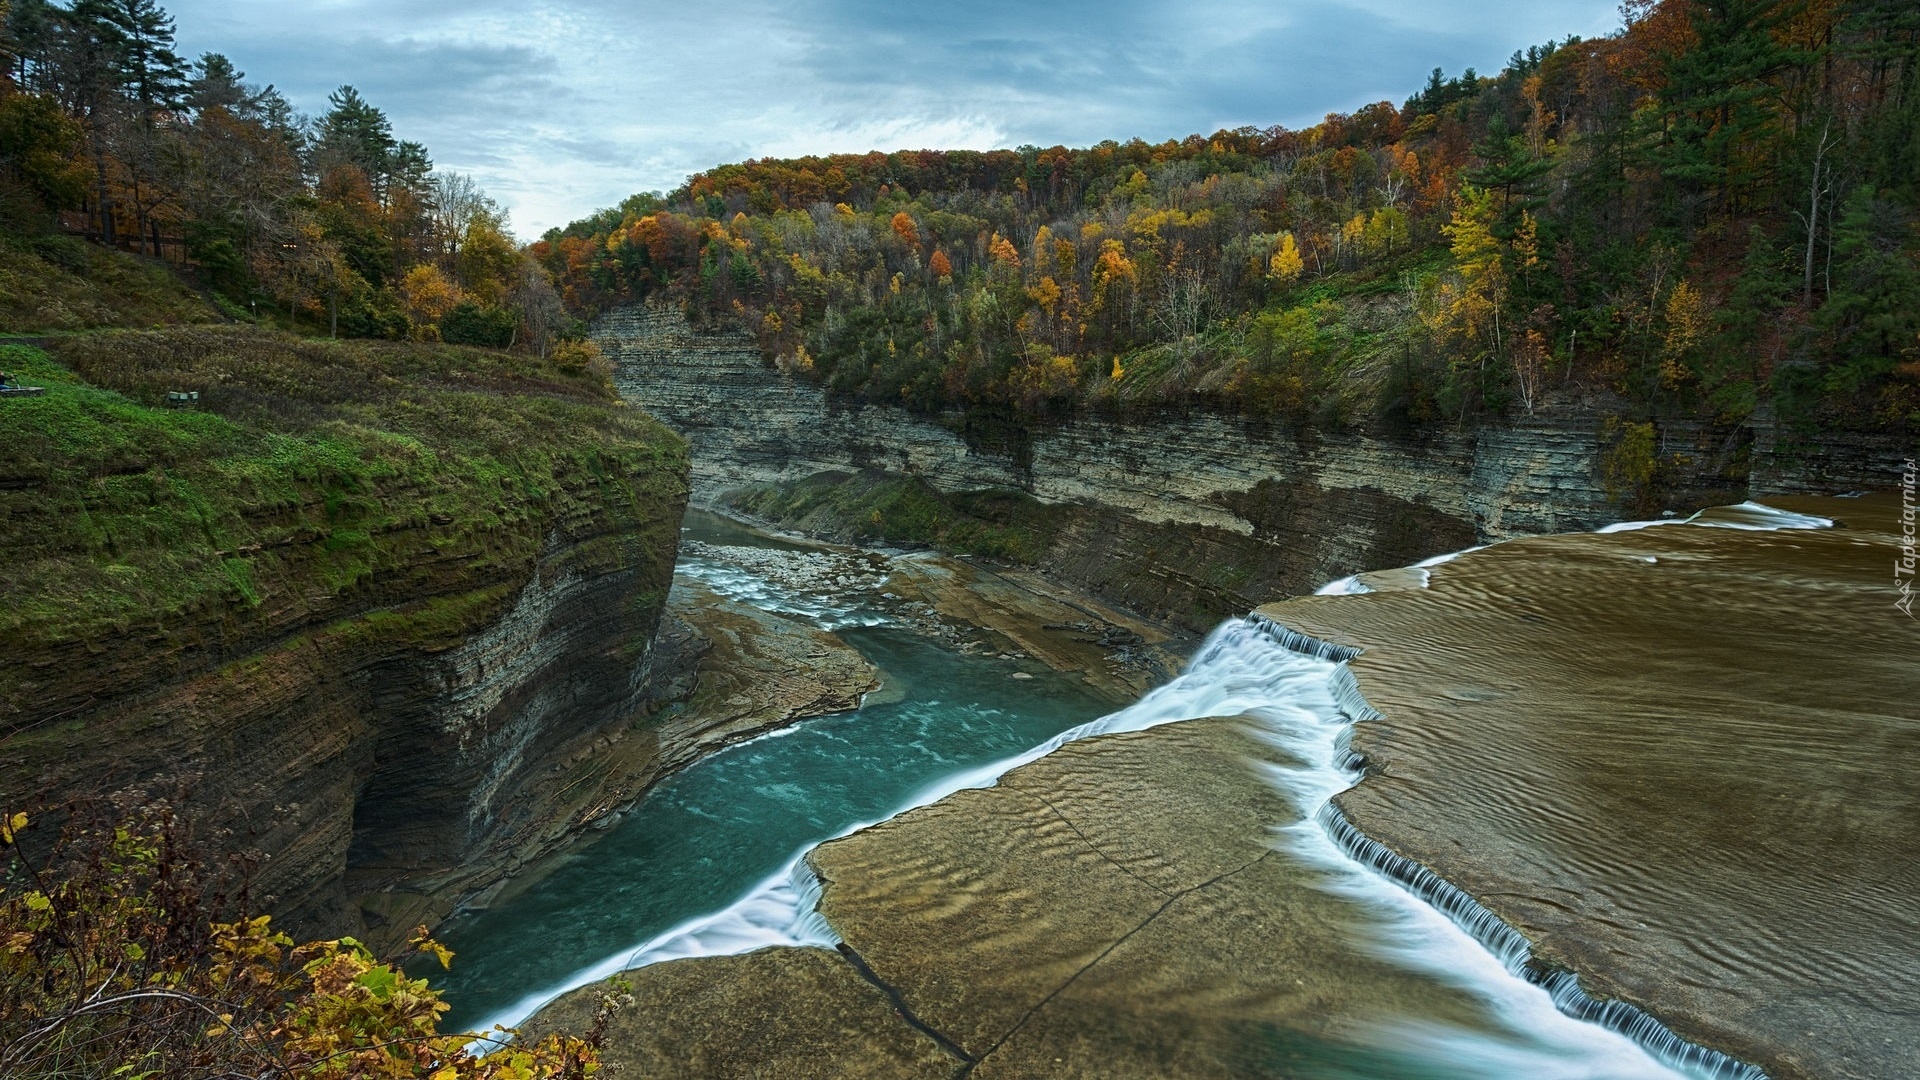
x=1193 y=517
x=370 y=612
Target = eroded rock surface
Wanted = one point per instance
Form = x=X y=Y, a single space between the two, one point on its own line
x=1115 y=909
x=1015 y=616
x=1679 y=760
x=724 y=1017
x=760 y=671
x=1190 y=517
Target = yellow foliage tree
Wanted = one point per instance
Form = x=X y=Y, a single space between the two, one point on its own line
x=1687 y=325
x=487 y=260
x=1286 y=265
x=1353 y=234
x=1386 y=231
x=428 y=296
x=1043 y=251
x=1042 y=376
x=1046 y=293
x=1471 y=308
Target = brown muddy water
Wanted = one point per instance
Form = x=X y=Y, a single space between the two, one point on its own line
x=1680 y=759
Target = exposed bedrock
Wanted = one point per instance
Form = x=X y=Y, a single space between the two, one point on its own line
x=1195 y=517
x=1115 y=909
x=392 y=747
x=1678 y=760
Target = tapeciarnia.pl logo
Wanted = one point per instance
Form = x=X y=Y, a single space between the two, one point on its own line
x=1903 y=566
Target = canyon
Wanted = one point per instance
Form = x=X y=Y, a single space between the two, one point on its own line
x=1189 y=516
x=1658 y=880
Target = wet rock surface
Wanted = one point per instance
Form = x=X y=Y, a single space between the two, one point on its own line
x=1015 y=616
x=759 y=671
x=1679 y=761
x=1114 y=909
x=725 y=1017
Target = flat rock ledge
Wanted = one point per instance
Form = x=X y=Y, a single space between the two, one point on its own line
x=1115 y=909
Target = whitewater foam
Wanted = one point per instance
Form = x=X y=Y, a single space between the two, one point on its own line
x=1554 y=1031
x=1240 y=668
x=1302 y=691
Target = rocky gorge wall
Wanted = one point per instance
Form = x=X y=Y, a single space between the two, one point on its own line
x=389 y=760
x=425 y=673
x=1194 y=517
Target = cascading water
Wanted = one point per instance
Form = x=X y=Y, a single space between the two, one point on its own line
x=1327 y=839
x=1301 y=691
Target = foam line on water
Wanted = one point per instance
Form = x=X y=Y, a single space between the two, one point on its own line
x=778 y=911
x=738 y=583
x=1313 y=723
x=1247 y=666
x=1750 y=516
x=1243 y=666
x=1559 y=1032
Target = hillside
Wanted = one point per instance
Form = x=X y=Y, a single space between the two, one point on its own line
x=1706 y=214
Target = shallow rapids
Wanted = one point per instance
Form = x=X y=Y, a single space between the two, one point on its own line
x=1488 y=1021
x=1678 y=759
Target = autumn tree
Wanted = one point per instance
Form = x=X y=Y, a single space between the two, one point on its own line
x=129 y=951
x=904 y=228
x=1286 y=265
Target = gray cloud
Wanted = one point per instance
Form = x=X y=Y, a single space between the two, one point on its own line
x=561 y=106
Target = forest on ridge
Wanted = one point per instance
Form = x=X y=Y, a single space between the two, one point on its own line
x=329 y=223
x=1708 y=213
x=1709 y=210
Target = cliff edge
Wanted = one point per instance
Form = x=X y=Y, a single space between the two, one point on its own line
x=366 y=609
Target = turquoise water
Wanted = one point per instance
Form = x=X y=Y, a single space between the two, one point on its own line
x=708 y=835
x=703 y=865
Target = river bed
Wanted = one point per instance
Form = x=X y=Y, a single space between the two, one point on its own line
x=1379 y=984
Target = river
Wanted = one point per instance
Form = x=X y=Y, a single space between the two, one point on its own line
x=709 y=864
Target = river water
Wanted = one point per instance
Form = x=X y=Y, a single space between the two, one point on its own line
x=707 y=863
x=717 y=830
x=1680 y=758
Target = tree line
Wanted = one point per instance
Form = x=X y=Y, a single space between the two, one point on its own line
x=1709 y=210
x=331 y=221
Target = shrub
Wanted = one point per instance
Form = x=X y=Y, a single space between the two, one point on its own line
x=123 y=953
x=470 y=324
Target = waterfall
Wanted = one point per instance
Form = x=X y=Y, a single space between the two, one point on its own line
x=1240 y=668
x=1302 y=692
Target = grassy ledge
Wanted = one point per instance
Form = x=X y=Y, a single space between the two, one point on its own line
x=314 y=481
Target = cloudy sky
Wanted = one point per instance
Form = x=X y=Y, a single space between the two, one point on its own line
x=559 y=107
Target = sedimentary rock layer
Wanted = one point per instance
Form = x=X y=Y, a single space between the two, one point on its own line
x=1678 y=761
x=1193 y=516
x=399 y=699
x=1113 y=909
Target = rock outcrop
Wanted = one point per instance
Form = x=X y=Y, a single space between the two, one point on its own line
x=1678 y=761
x=1115 y=909
x=396 y=698
x=1194 y=517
